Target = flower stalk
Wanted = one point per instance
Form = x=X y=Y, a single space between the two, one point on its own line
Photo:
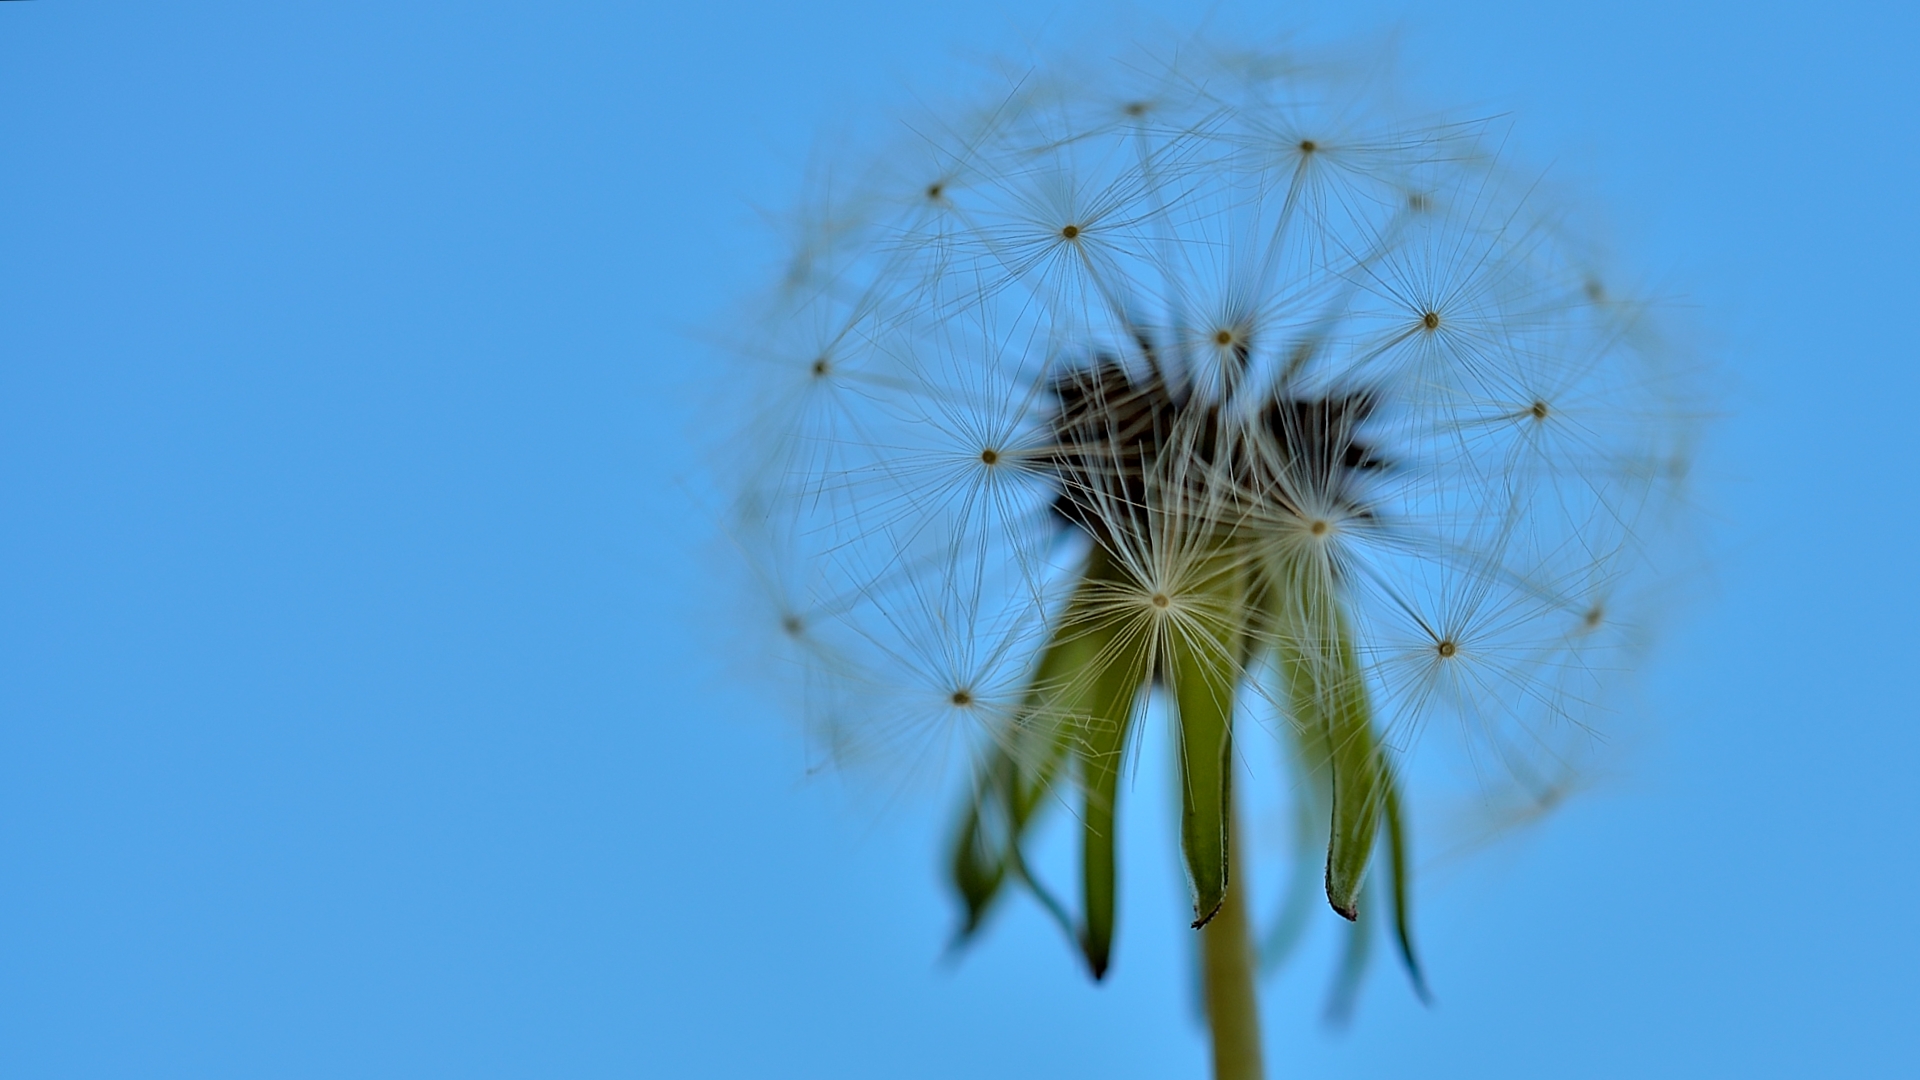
x=1227 y=969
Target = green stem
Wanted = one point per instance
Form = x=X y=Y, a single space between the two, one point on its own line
x=1226 y=947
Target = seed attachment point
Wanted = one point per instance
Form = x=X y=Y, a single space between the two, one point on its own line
x=1446 y=649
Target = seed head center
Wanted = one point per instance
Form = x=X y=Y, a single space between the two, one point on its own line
x=962 y=698
x=1070 y=232
x=1160 y=600
x=935 y=190
x=1308 y=146
x=1446 y=649
x=820 y=367
x=1223 y=338
x=1431 y=320
x=1539 y=410
x=1318 y=528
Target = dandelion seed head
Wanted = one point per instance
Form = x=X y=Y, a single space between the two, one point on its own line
x=1331 y=391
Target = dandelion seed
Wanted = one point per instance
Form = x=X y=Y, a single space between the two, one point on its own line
x=1273 y=405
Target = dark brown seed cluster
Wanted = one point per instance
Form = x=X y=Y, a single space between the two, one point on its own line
x=1121 y=444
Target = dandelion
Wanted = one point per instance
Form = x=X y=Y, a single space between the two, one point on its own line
x=1201 y=386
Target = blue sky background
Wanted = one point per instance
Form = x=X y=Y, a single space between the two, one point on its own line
x=358 y=711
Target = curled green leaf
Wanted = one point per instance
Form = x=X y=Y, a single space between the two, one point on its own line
x=1109 y=700
x=1081 y=701
x=978 y=864
x=1402 y=911
x=1203 y=666
x=1327 y=696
